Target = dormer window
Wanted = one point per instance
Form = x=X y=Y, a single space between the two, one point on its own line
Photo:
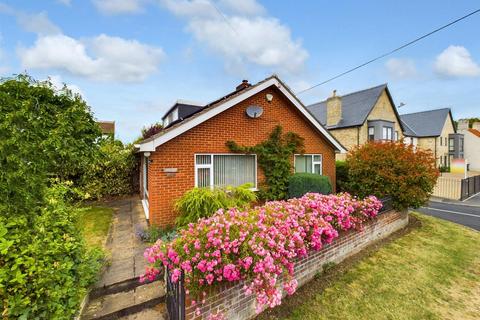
x=171 y=117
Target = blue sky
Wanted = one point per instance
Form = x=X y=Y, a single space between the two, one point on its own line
x=131 y=59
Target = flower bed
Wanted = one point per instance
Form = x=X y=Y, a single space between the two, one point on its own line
x=259 y=245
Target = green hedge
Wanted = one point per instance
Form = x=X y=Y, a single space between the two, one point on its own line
x=301 y=183
x=342 y=175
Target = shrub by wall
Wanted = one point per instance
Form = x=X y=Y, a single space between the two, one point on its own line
x=110 y=172
x=203 y=202
x=257 y=245
x=45 y=267
x=392 y=169
x=342 y=179
x=302 y=183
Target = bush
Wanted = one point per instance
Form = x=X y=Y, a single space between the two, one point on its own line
x=111 y=173
x=154 y=233
x=302 y=183
x=341 y=170
x=258 y=245
x=45 y=267
x=444 y=169
x=392 y=169
x=204 y=202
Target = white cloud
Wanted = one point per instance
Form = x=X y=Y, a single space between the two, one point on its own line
x=243 y=36
x=101 y=58
x=246 y=7
x=32 y=22
x=456 y=61
x=37 y=23
x=401 y=68
x=119 y=6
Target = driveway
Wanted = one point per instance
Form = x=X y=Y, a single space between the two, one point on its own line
x=464 y=213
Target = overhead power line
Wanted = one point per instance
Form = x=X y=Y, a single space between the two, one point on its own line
x=391 y=51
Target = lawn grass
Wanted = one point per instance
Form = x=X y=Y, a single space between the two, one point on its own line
x=94 y=223
x=432 y=272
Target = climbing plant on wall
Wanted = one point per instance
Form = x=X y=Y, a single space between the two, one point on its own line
x=274 y=157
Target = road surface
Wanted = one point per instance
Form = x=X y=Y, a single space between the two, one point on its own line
x=461 y=213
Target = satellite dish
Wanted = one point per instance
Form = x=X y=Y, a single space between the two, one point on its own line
x=254 y=111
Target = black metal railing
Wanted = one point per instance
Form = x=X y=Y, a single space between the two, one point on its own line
x=470 y=187
x=175 y=296
x=387 y=205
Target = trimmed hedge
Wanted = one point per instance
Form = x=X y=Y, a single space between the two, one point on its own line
x=342 y=176
x=302 y=183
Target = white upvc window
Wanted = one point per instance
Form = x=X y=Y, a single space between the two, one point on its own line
x=310 y=163
x=222 y=170
x=387 y=133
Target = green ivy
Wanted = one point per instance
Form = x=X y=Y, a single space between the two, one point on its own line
x=274 y=157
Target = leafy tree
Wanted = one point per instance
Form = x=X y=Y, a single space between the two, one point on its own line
x=153 y=129
x=44 y=264
x=43 y=133
x=392 y=169
x=274 y=157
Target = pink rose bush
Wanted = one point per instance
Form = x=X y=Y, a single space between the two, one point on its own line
x=260 y=245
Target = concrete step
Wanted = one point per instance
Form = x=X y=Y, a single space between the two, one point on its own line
x=148 y=299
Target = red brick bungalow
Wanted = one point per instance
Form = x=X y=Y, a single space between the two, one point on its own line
x=191 y=151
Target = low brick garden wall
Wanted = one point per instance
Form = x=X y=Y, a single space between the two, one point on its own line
x=235 y=305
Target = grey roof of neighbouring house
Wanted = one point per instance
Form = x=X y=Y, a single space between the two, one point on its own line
x=356 y=107
x=426 y=123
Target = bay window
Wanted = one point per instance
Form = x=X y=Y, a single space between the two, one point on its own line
x=221 y=170
x=310 y=163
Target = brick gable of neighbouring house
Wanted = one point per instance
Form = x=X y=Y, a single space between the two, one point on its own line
x=172 y=164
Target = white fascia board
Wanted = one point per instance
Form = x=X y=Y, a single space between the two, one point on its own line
x=147 y=147
x=310 y=118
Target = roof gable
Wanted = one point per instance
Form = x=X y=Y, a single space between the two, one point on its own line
x=426 y=123
x=226 y=102
x=356 y=107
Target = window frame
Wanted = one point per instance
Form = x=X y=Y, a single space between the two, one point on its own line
x=313 y=161
x=210 y=166
x=368 y=133
x=451 y=144
x=388 y=129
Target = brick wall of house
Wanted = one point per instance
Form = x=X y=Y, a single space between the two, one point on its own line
x=211 y=136
x=231 y=301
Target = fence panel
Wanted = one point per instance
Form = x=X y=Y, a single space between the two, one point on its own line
x=470 y=187
x=449 y=188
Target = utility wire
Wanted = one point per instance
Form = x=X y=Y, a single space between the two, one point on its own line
x=222 y=15
x=392 y=51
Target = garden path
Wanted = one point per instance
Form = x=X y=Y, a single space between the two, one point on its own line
x=118 y=294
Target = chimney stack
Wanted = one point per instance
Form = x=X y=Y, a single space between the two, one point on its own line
x=243 y=85
x=334 y=109
x=462 y=125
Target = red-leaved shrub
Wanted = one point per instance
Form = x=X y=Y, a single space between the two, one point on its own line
x=392 y=169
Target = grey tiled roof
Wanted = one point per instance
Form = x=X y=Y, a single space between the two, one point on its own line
x=426 y=123
x=356 y=107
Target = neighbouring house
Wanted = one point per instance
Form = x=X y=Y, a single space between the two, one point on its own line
x=434 y=130
x=192 y=152
x=471 y=142
x=107 y=128
x=358 y=117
